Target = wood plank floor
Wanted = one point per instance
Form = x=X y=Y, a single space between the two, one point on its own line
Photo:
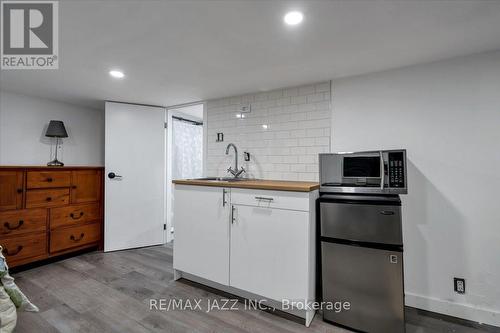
x=110 y=292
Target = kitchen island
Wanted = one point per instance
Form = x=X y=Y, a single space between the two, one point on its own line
x=251 y=238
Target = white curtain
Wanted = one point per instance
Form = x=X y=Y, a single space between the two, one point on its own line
x=187 y=150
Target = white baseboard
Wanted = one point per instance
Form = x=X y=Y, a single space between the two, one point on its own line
x=464 y=311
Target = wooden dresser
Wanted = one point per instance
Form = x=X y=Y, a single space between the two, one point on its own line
x=49 y=211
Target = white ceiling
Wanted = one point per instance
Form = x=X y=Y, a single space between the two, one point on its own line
x=182 y=51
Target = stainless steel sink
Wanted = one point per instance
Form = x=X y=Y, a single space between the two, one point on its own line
x=221 y=179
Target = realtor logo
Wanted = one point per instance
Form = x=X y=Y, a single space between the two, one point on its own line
x=29 y=37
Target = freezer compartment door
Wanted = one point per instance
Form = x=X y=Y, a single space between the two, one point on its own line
x=371 y=280
x=360 y=222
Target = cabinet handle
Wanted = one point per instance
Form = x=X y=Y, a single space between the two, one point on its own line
x=75 y=239
x=224 y=202
x=73 y=187
x=49 y=199
x=19 y=190
x=49 y=180
x=264 y=198
x=72 y=215
x=19 y=224
x=386 y=212
x=6 y=251
x=232 y=214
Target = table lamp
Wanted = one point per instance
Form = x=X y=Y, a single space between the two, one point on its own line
x=56 y=130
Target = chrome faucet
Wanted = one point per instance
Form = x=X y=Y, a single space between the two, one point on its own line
x=236 y=172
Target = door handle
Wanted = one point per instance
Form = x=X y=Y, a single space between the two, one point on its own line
x=8 y=254
x=9 y=227
x=74 y=239
x=76 y=216
x=224 y=202
x=113 y=175
x=264 y=198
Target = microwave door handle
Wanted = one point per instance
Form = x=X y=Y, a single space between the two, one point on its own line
x=382 y=171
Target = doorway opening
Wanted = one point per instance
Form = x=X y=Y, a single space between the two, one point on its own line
x=186 y=150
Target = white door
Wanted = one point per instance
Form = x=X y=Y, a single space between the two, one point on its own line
x=135 y=197
x=269 y=254
x=201 y=219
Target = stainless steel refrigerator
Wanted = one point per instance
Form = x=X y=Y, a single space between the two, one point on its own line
x=362 y=261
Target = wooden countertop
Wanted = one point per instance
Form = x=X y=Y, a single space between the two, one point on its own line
x=37 y=167
x=258 y=184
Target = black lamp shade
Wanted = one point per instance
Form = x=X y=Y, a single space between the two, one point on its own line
x=56 y=129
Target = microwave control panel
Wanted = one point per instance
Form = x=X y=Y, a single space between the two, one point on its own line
x=396 y=169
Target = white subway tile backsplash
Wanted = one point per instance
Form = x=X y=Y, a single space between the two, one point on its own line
x=298 y=100
x=307 y=142
x=319 y=97
x=298 y=128
x=323 y=87
x=289 y=92
x=307 y=90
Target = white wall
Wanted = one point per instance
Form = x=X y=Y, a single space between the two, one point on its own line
x=447 y=114
x=23 y=120
x=298 y=121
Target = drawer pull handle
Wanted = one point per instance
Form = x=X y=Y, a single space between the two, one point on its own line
x=386 y=212
x=50 y=180
x=19 y=190
x=264 y=198
x=75 y=239
x=49 y=199
x=6 y=251
x=19 y=224
x=73 y=187
x=72 y=215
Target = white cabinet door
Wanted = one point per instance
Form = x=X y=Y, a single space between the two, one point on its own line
x=201 y=226
x=269 y=254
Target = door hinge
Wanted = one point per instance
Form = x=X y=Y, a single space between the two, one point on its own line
x=165 y=125
x=164 y=227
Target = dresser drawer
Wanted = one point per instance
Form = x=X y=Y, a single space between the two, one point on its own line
x=19 y=222
x=271 y=199
x=74 y=214
x=62 y=239
x=11 y=189
x=23 y=247
x=47 y=198
x=44 y=179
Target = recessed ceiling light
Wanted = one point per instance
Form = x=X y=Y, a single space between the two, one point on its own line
x=117 y=74
x=264 y=126
x=293 y=18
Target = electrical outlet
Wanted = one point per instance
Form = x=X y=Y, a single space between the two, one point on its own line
x=245 y=108
x=459 y=285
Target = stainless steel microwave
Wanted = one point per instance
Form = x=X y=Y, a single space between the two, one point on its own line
x=370 y=172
